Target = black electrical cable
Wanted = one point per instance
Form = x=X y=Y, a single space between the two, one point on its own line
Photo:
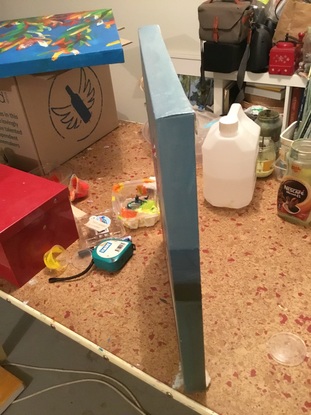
x=62 y=279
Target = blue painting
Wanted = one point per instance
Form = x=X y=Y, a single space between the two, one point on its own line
x=59 y=41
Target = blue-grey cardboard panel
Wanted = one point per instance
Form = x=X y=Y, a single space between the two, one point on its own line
x=172 y=132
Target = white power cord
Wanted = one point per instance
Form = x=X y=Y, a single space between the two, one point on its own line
x=133 y=401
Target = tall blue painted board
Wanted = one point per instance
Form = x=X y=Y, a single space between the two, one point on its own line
x=172 y=132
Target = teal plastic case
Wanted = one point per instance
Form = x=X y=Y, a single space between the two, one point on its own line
x=112 y=254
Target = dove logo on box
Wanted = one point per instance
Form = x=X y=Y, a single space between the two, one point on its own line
x=58 y=114
x=75 y=103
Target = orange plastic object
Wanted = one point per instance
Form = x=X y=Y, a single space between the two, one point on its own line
x=77 y=188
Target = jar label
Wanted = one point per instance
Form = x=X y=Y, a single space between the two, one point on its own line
x=265 y=166
x=294 y=198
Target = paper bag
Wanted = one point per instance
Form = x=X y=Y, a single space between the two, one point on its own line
x=295 y=18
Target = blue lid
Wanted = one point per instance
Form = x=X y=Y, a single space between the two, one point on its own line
x=57 y=42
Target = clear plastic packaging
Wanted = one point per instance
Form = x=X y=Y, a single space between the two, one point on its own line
x=54 y=172
x=135 y=203
x=203 y=122
x=286 y=140
x=92 y=229
x=287 y=349
x=280 y=168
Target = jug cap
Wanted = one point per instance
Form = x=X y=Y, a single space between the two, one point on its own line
x=228 y=125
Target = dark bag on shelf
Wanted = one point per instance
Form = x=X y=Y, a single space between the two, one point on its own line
x=224 y=22
x=222 y=57
x=225 y=32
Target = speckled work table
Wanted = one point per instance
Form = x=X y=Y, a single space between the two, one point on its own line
x=256 y=282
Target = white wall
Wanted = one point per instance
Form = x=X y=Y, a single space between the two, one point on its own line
x=179 y=25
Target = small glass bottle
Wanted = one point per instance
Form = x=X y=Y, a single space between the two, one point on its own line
x=260 y=8
x=294 y=194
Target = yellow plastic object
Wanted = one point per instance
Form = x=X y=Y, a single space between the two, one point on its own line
x=56 y=258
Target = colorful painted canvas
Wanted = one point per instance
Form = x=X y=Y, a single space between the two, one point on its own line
x=57 y=42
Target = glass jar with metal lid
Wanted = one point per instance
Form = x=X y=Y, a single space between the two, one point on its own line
x=294 y=195
x=269 y=142
x=270 y=126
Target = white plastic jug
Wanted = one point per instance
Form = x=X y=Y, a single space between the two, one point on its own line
x=229 y=154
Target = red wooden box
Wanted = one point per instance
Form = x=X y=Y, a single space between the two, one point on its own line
x=282 y=59
x=35 y=214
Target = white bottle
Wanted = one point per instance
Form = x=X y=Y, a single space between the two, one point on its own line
x=229 y=154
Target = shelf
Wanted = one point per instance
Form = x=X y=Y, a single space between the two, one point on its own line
x=262 y=78
x=190 y=65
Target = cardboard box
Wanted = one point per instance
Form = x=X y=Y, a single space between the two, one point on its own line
x=35 y=215
x=48 y=118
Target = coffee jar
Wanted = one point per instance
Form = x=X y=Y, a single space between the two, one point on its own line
x=294 y=194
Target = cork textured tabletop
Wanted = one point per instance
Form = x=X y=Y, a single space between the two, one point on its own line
x=255 y=271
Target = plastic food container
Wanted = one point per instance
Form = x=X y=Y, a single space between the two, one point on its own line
x=280 y=168
x=92 y=229
x=54 y=172
x=135 y=203
x=286 y=139
x=287 y=348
